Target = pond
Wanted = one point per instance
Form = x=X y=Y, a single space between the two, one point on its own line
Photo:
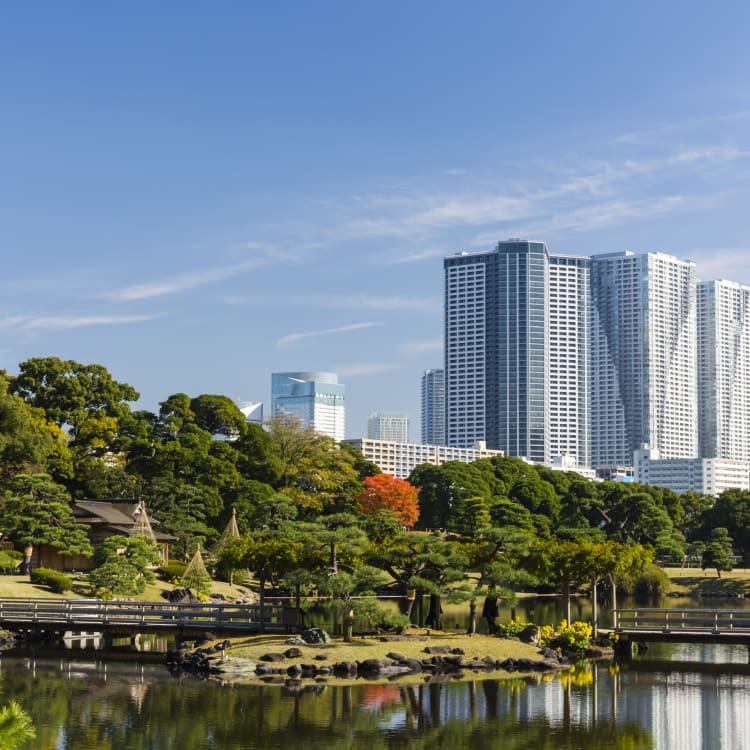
x=674 y=697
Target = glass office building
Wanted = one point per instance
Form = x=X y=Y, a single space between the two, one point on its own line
x=315 y=398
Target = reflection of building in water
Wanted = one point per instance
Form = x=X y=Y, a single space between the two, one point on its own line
x=677 y=708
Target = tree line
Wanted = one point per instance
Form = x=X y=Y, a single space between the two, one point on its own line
x=313 y=513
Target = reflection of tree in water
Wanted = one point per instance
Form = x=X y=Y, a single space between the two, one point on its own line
x=97 y=714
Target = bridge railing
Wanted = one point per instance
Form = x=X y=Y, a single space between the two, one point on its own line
x=193 y=615
x=692 y=620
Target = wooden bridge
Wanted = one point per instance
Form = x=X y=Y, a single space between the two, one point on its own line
x=728 y=626
x=125 y=618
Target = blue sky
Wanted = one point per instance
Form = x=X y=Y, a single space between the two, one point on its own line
x=196 y=195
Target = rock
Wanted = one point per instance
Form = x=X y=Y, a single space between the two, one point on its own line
x=320 y=657
x=458 y=651
x=551 y=654
x=180 y=596
x=530 y=634
x=262 y=669
x=415 y=666
x=294 y=671
x=315 y=635
x=489 y=662
x=294 y=641
x=437 y=649
x=345 y=668
x=396 y=656
x=272 y=657
x=292 y=653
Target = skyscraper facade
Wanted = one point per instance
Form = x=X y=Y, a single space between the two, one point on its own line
x=724 y=370
x=433 y=407
x=315 y=398
x=388 y=426
x=496 y=346
x=643 y=357
x=569 y=352
x=588 y=358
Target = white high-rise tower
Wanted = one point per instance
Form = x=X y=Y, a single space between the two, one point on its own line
x=724 y=370
x=643 y=350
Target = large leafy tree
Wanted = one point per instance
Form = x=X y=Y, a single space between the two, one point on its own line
x=427 y=564
x=85 y=398
x=28 y=441
x=384 y=492
x=718 y=553
x=36 y=511
x=122 y=565
x=731 y=512
x=312 y=469
x=443 y=488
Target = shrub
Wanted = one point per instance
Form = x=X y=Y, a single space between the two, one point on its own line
x=514 y=627
x=7 y=563
x=652 y=583
x=174 y=570
x=58 y=582
x=575 y=636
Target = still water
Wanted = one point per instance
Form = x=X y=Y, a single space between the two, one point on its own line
x=676 y=698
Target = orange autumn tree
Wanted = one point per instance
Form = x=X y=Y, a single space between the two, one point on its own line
x=384 y=492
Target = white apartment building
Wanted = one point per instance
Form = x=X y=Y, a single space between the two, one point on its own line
x=643 y=357
x=388 y=426
x=724 y=370
x=569 y=346
x=465 y=349
x=399 y=459
x=709 y=476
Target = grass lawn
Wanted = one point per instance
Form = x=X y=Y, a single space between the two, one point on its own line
x=20 y=586
x=696 y=582
x=473 y=646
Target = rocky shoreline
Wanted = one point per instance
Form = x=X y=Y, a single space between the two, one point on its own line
x=437 y=662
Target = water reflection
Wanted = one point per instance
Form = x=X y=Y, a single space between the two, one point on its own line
x=81 y=704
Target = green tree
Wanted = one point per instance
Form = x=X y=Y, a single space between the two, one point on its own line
x=37 y=511
x=427 y=564
x=28 y=442
x=443 y=488
x=269 y=556
x=731 y=512
x=122 y=566
x=312 y=469
x=218 y=415
x=718 y=553
x=86 y=398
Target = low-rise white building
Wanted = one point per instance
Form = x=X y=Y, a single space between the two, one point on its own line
x=399 y=459
x=709 y=476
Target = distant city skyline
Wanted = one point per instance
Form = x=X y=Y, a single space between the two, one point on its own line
x=196 y=200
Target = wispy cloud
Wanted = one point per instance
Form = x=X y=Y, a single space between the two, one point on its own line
x=577 y=193
x=180 y=283
x=58 y=322
x=364 y=368
x=419 y=255
x=439 y=212
x=284 y=340
x=382 y=303
x=658 y=134
x=599 y=215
